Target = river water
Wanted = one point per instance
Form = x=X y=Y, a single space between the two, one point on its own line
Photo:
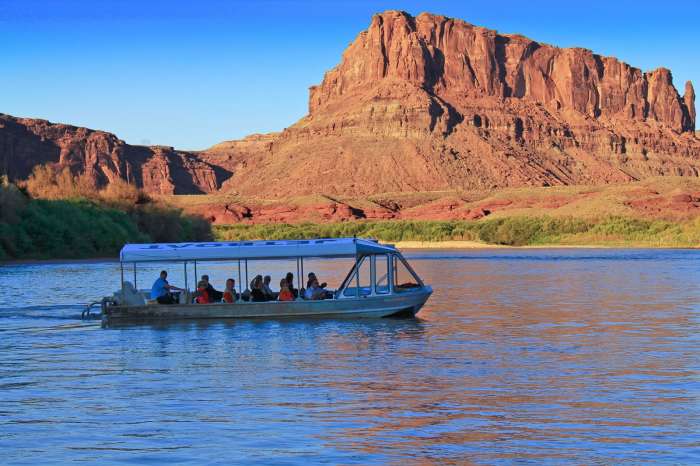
x=528 y=356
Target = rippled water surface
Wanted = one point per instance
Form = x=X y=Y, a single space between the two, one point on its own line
x=535 y=356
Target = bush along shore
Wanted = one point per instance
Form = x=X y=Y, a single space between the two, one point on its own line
x=55 y=215
x=508 y=231
x=85 y=223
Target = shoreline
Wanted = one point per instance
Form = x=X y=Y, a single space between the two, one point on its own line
x=91 y=260
x=408 y=245
x=459 y=244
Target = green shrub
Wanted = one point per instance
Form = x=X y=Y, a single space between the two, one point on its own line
x=12 y=200
x=509 y=231
x=79 y=228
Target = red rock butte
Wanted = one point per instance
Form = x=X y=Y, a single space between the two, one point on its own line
x=418 y=104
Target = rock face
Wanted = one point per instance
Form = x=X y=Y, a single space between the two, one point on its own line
x=671 y=199
x=451 y=58
x=26 y=142
x=432 y=103
x=689 y=100
x=416 y=104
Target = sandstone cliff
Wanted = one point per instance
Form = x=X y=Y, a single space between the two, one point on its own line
x=26 y=142
x=431 y=103
x=417 y=104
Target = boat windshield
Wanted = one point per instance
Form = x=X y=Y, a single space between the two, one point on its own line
x=380 y=274
x=404 y=277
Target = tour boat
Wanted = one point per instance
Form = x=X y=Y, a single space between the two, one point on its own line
x=380 y=283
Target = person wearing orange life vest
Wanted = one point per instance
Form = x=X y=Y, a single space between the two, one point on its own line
x=285 y=293
x=202 y=293
x=230 y=294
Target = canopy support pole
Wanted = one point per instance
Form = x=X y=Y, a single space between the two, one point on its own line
x=390 y=274
x=195 y=274
x=240 y=290
x=185 y=268
x=357 y=276
x=121 y=267
x=135 y=287
x=301 y=276
x=246 y=273
x=298 y=276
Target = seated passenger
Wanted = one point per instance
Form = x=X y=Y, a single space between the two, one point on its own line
x=314 y=291
x=285 y=293
x=326 y=294
x=312 y=276
x=256 y=292
x=160 y=291
x=214 y=295
x=269 y=294
x=230 y=294
x=290 y=284
x=202 y=294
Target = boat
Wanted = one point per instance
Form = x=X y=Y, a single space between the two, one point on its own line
x=381 y=283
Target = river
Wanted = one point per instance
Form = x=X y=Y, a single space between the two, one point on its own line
x=527 y=356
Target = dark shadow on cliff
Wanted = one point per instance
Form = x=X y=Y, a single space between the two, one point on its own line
x=21 y=149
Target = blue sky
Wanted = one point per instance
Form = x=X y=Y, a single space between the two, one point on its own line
x=193 y=73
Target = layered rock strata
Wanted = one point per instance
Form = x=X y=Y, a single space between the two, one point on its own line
x=25 y=143
x=432 y=103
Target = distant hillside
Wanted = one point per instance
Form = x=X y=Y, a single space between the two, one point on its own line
x=27 y=142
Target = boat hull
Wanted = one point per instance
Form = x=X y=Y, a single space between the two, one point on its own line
x=407 y=303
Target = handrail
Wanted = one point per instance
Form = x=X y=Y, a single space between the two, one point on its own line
x=103 y=304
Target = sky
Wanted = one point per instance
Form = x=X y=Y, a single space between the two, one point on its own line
x=191 y=74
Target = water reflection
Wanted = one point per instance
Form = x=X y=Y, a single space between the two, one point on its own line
x=535 y=356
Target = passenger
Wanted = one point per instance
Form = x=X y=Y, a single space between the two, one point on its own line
x=256 y=292
x=247 y=294
x=324 y=294
x=230 y=294
x=202 y=295
x=285 y=293
x=214 y=295
x=312 y=276
x=269 y=294
x=290 y=284
x=314 y=291
x=160 y=291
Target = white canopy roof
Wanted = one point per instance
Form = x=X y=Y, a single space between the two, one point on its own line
x=232 y=250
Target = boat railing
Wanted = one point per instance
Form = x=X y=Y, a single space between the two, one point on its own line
x=103 y=303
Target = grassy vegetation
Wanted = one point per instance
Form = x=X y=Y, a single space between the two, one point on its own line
x=58 y=215
x=76 y=227
x=509 y=231
x=67 y=229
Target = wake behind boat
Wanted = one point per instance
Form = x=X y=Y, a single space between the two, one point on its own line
x=380 y=283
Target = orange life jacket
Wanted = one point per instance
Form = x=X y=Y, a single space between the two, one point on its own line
x=203 y=297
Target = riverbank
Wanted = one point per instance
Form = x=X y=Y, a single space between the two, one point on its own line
x=517 y=231
x=447 y=245
x=478 y=245
x=403 y=245
x=85 y=227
